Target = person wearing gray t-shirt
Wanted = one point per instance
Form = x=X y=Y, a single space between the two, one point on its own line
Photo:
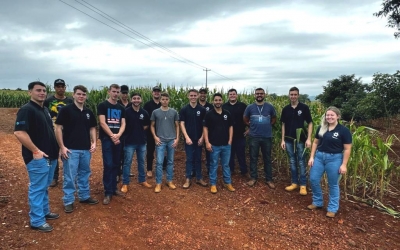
x=165 y=130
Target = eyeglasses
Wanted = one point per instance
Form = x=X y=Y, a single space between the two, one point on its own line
x=260 y=93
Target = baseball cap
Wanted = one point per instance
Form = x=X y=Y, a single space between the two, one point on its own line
x=58 y=82
x=124 y=89
x=156 y=88
x=203 y=90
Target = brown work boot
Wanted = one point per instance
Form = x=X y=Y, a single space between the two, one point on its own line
x=313 y=207
x=149 y=174
x=187 y=183
x=252 y=182
x=229 y=187
x=270 y=184
x=145 y=184
x=158 y=188
x=213 y=189
x=330 y=214
x=291 y=187
x=303 y=190
x=202 y=183
x=124 y=189
x=171 y=185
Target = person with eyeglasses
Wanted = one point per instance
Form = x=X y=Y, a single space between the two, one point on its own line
x=260 y=116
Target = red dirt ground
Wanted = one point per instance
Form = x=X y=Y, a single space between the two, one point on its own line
x=250 y=218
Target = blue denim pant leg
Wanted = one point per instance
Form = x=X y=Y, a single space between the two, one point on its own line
x=316 y=172
x=160 y=149
x=84 y=173
x=193 y=160
x=40 y=176
x=238 y=149
x=214 y=157
x=111 y=162
x=126 y=168
x=332 y=165
x=266 y=150
x=297 y=155
x=254 y=149
x=140 y=155
x=70 y=170
x=208 y=160
x=170 y=161
x=226 y=171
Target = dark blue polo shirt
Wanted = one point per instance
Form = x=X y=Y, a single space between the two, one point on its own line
x=193 y=118
x=36 y=122
x=218 y=127
x=237 y=111
x=208 y=106
x=294 y=118
x=135 y=121
x=76 y=126
x=332 y=141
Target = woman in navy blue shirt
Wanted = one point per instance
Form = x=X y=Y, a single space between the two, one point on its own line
x=330 y=153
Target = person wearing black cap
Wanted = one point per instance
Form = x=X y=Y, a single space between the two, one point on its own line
x=124 y=101
x=208 y=106
x=150 y=106
x=54 y=103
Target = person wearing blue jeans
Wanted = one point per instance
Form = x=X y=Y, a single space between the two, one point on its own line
x=191 y=119
x=112 y=125
x=260 y=116
x=165 y=130
x=137 y=123
x=330 y=153
x=218 y=132
x=295 y=138
x=34 y=130
x=76 y=136
x=237 y=108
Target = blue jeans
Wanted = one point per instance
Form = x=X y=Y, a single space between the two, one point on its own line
x=160 y=149
x=208 y=161
x=129 y=150
x=297 y=155
x=224 y=153
x=193 y=160
x=255 y=143
x=111 y=164
x=76 y=175
x=329 y=163
x=238 y=149
x=40 y=174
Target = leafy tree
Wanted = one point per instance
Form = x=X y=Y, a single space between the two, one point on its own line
x=391 y=9
x=344 y=92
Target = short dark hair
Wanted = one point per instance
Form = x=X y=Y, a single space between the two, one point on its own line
x=115 y=86
x=232 y=90
x=80 y=87
x=294 y=89
x=33 y=84
x=193 y=90
x=164 y=94
x=136 y=94
x=259 y=89
x=217 y=94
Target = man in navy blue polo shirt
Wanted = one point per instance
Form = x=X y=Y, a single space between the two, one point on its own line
x=295 y=138
x=208 y=106
x=34 y=129
x=191 y=119
x=237 y=108
x=218 y=132
x=76 y=136
x=137 y=123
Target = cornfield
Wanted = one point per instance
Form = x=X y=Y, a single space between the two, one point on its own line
x=370 y=170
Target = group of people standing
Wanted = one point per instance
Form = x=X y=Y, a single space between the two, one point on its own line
x=125 y=128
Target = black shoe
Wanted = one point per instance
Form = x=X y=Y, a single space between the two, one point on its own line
x=54 y=183
x=107 y=200
x=90 y=201
x=131 y=175
x=69 y=208
x=119 y=193
x=51 y=216
x=45 y=228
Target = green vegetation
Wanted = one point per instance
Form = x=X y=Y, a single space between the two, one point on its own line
x=370 y=170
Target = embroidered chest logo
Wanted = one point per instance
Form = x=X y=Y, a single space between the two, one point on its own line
x=141 y=116
x=198 y=113
x=207 y=109
x=299 y=112
x=88 y=116
x=335 y=135
x=225 y=117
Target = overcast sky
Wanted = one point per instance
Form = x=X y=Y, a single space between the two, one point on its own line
x=270 y=44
